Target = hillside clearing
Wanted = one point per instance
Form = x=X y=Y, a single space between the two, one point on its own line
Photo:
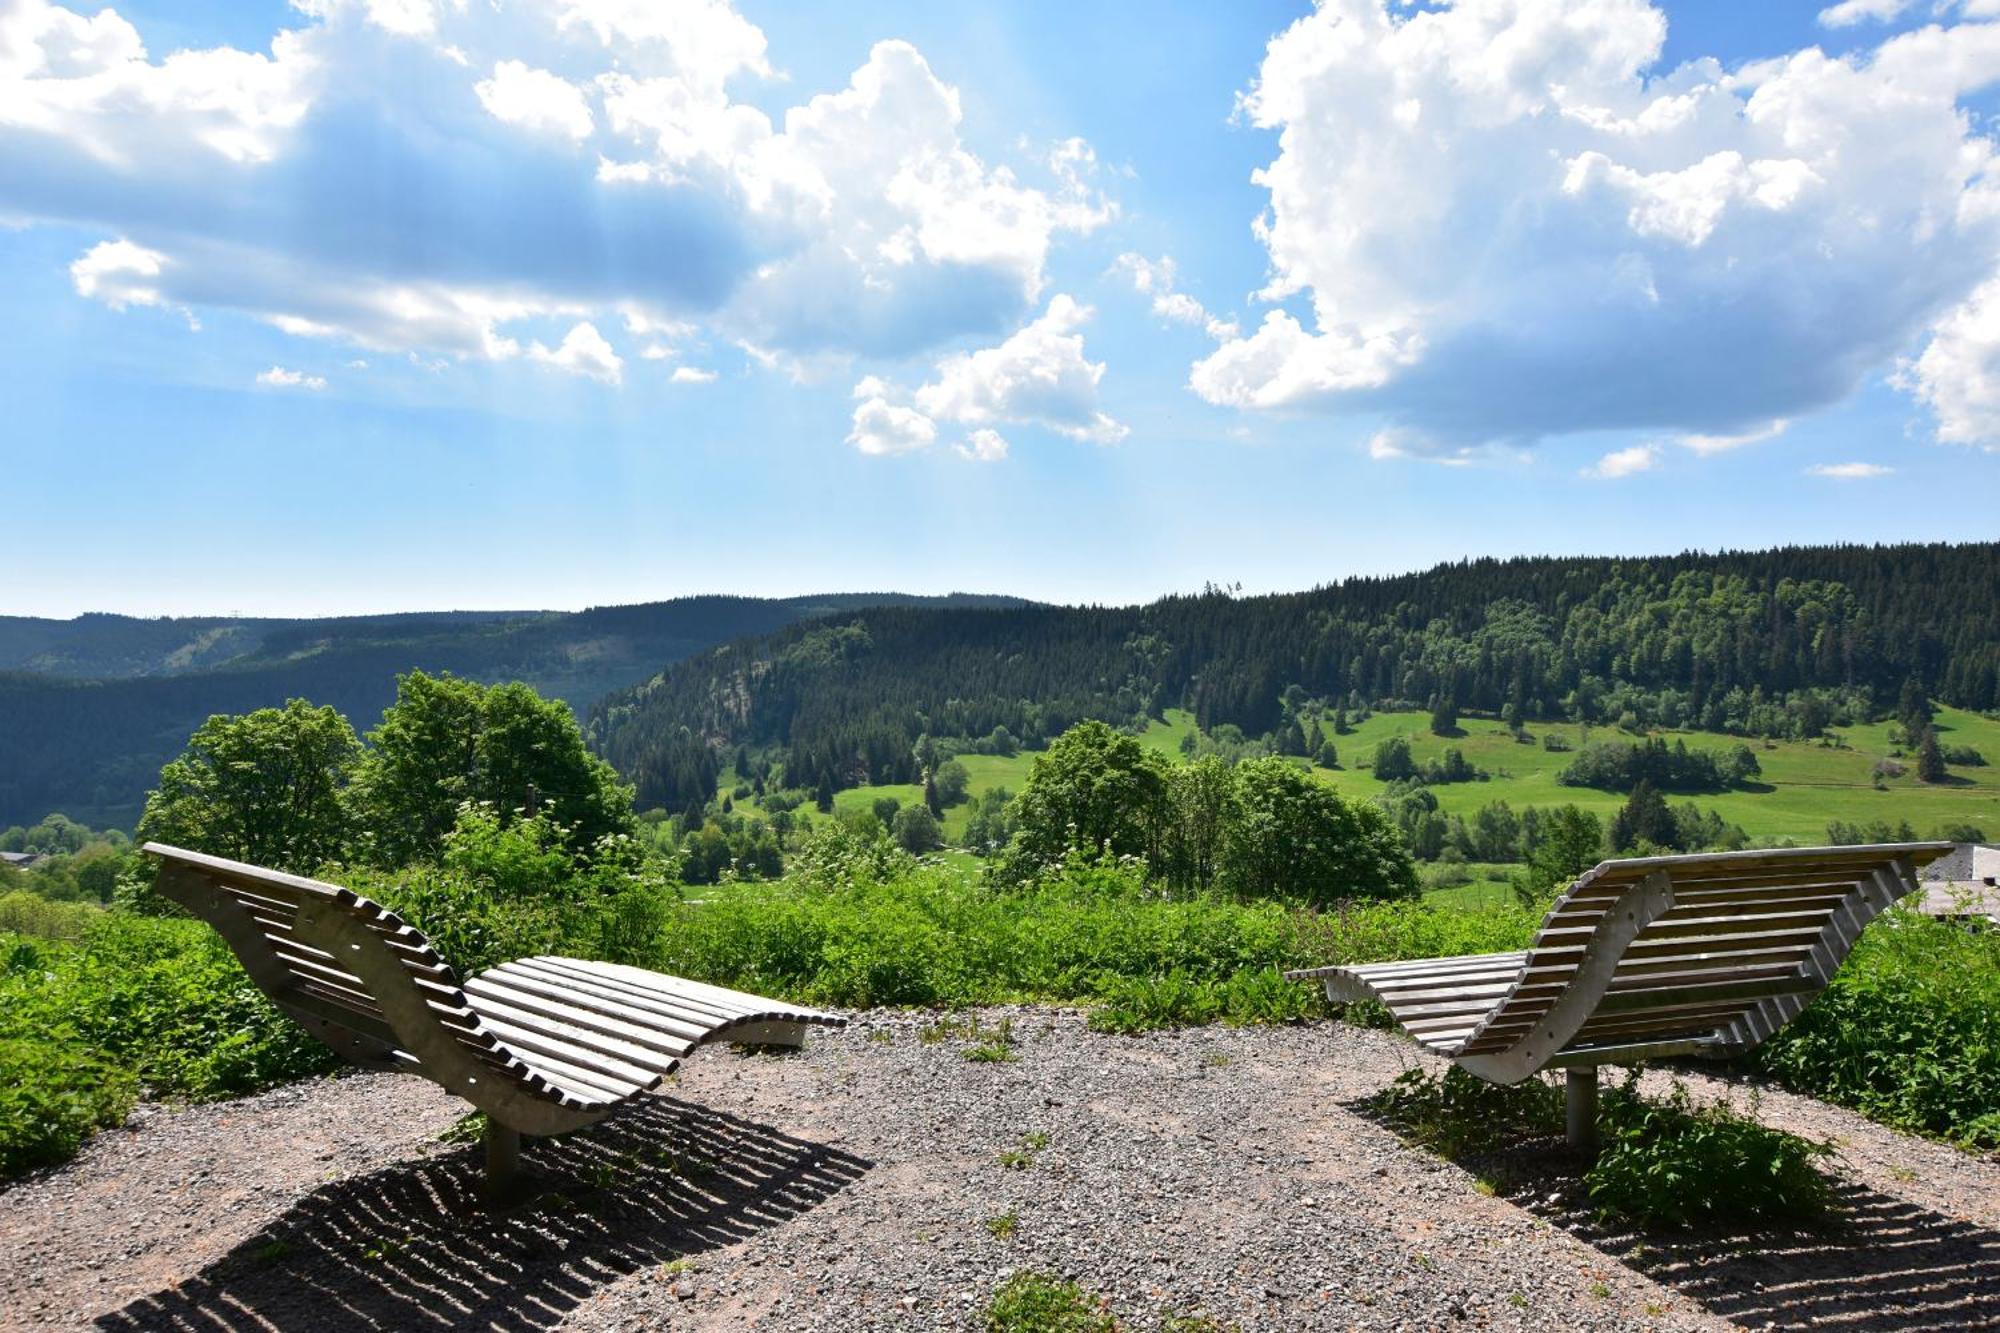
x=1805 y=785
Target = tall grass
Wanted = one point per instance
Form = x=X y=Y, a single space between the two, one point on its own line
x=927 y=937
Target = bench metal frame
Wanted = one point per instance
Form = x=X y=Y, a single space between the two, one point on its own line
x=1647 y=958
x=542 y=1045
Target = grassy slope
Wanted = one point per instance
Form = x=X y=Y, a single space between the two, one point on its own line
x=1804 y=786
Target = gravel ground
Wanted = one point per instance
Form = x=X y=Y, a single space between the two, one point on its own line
x=880 y=1180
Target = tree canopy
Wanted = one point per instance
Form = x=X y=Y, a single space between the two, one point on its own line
x=1767 y=643
x=269 y=787
x=446 y=741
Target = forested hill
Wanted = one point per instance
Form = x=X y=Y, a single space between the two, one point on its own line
x=91 y=708
x=1759 y=642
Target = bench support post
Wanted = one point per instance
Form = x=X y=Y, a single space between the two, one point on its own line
x=503 y=1160
x=1580 y=1107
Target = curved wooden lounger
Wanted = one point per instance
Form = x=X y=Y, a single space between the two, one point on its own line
x=541 y=1045
x=1651 y=957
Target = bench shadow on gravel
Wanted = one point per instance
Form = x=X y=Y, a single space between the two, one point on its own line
x=1883 y=1265
x=408 y=1247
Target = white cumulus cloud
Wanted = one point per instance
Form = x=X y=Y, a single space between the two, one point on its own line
x=1717 y=444
x=884 y=427
x=1625 y=462
x=585 y=352
x=983 y=446
x=277 y=377
x=536 y=100
x=1958 y=374
x=1849 y=471
x=1850 y=12
x=119 y=274
x=1156 y=278
x=1038 y=376
x=89 y=85
x=423 y=178
x=1498 y=220
x=692 y=375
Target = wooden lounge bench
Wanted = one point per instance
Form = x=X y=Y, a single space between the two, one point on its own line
x=1646 y=958
x=541 y=1045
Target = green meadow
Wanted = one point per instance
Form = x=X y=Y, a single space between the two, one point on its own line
x=1805 y=785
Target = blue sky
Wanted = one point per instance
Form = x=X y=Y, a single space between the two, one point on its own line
x=358 y=305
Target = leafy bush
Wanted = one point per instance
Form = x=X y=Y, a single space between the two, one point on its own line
x=24 y=913
x=134 y=1001
x=926 y=937
x=1908 y=1033
x=835 y=854
x=1140 y=1004
x=52 y=1097
x=1669 y=1163
x=1612 y=766
x=164 y=999
x=509 y=890
x=1037 y=1303
x=1661 y=1163
x=1457 y=1115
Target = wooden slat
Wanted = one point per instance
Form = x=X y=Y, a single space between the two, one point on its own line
x=1724 y=885
x=760 y=1006
x=1666 y=1011
x=722 y=1011
x=573 y=1069
x=648 y=1054
x=309 y=970
x=1636 y=964
x=1412 y=1015
x=1491 y=990
x=332 y=1011
x=530 y=1039
x=1693 y=1020
x=1708 y=927
x=1625 y=1053
x=1680 y=974
x=705 y=1018
x=1464 y=962
x=660 y=1043
x=609 y=1003
x=1658 y=997
x=1766 y=905
x=1774 y=858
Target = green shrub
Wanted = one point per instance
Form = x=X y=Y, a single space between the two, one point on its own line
x=1457 y=1114
x=161 y=998
x=1141 y=1004
x=1037 y=1303
x=1661 y=1162
x=926 y=937
x=1673 y=1164
x=52 y=1097
x=1908 y=1033
x=1376 y=932
x=471 y=928
x=24 y=913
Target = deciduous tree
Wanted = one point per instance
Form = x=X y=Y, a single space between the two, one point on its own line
x=270 y=787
